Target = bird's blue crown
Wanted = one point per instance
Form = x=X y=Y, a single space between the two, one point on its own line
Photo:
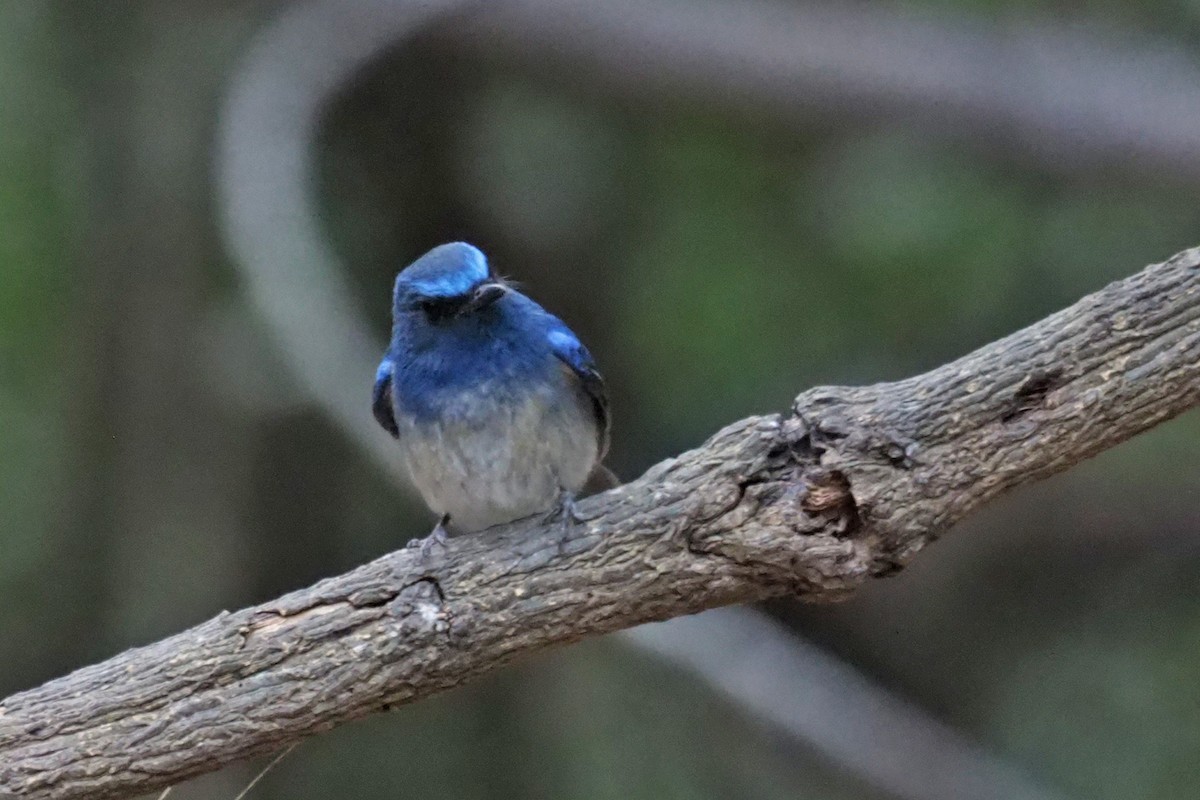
x=448 y=270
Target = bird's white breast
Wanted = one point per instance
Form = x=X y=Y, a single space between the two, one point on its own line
x=489 y=458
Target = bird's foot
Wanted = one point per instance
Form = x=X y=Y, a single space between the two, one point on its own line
x=436 y=538
x=566 y=511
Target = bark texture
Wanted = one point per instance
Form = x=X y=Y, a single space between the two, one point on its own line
x=848 y=485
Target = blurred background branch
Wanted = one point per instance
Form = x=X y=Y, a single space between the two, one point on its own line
x=832 y=708
x=803 y=63
x=1068 y=96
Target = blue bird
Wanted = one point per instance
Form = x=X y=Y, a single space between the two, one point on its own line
x=498 y=407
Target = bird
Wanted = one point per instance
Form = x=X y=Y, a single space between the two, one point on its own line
x=499 y=409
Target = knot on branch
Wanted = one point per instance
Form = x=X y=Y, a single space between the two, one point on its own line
x=870 y=464
x=786 y=521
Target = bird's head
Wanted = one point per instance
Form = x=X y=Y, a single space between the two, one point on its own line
x=449 y=282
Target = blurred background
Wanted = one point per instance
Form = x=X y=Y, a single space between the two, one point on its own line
x=203 y=205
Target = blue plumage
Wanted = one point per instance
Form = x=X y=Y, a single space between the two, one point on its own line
x=498 y=407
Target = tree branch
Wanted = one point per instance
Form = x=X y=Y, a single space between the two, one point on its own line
x=848 y=485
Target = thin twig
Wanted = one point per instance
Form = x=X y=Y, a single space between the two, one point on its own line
x=265 y=770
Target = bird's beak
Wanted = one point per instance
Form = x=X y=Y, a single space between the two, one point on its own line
x=484 y=295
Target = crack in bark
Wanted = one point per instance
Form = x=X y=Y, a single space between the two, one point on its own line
x=1033 y=392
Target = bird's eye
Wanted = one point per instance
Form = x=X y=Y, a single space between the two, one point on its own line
x=436 y=308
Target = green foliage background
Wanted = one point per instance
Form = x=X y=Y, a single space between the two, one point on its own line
x=157 y=465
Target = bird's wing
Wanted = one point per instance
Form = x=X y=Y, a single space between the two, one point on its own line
x=582 y=368
x=381 y=401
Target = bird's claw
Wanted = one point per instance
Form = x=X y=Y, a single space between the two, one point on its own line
x=436 y=538
x=566 y=511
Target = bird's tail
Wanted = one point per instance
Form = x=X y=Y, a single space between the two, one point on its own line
x=601 y=479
